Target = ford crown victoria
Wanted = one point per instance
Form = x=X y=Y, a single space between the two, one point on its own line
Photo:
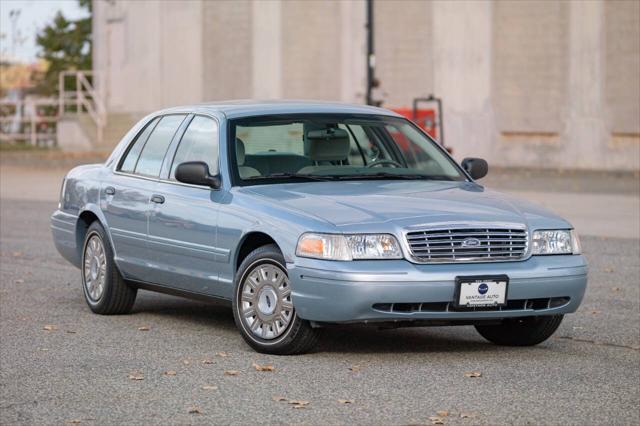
x=306 y=214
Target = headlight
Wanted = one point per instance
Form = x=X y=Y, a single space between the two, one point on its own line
x=555 y=242
x=349 y=246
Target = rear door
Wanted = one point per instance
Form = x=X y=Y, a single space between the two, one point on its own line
x=126 y=196
x=184 y=218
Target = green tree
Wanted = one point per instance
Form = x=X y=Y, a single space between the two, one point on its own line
x=66 y=45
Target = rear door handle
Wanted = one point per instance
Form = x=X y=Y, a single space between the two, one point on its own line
x=158 y=199
x=109 y=190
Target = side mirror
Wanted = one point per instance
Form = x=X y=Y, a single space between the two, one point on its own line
x=196 y=173
x=476 y=167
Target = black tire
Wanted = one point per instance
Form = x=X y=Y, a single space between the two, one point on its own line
x=526 y=331
x=299 y=337
x=117 y=297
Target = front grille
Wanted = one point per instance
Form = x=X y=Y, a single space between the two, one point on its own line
x=512 y=305
x=468 y=244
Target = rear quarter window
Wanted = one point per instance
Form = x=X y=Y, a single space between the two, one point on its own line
x=154 y=150
x=131 y=157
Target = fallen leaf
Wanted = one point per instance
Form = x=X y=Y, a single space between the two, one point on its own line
x=170 y=373
x=207 y=361
x=209 y=387
x=19 y=281
x=354 y=368
x=76 y=421
x=267 y=367
x=17 y=253
x=278 y=398
x=144 y=328
x=595 y=312
x=346 y=401
x=231 y=373
x=436 y=420
x=222 y=354
x=194 y=410
x=473 y=374
x=298 y=403
x=136 y=376
x=467 y=415
x=616 y=289
x=185 y=361
x=443 y=413
x=50 y=327
x=608 y=269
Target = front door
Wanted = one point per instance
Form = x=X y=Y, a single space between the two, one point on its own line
x=183 y=218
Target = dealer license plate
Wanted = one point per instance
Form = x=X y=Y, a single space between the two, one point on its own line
x=482 y=291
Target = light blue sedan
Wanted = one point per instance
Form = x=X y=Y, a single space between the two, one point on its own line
x=302 y=214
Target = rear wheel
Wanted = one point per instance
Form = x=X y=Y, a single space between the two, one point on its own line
x=526 y=331
x=263 y=308
x=105 y=291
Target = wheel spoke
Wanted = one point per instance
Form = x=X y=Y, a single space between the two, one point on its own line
x=255 y=326
x=263 y=274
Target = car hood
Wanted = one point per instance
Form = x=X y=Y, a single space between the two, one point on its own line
x=405 y=203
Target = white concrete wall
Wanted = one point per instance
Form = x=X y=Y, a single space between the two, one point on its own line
x=461 y=47
x=149 y=53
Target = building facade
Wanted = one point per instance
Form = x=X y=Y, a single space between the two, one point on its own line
x=529 y=83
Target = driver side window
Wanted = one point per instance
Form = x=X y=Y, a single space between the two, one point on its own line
x=199 y=143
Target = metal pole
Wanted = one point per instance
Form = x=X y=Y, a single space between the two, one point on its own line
x=371 y=58
x=61 y=94
x=14 y=15
x=78 y=94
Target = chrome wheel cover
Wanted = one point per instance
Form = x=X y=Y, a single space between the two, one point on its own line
x=94 y=269
x=265 y=301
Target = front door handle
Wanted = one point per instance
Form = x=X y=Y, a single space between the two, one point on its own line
x=109 y=190
x=158 y=199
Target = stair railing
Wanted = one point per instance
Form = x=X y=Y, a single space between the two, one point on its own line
x=83 y=98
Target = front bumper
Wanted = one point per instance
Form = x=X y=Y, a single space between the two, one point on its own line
x=331 y=291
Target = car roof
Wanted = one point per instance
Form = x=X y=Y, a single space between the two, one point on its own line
x=245 y=108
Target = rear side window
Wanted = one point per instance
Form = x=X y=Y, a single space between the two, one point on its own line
x=153 y=152
x=129 y=163
x=199 y=143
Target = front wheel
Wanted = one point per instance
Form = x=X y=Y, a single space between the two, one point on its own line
x=526 y=331
x=263 y=308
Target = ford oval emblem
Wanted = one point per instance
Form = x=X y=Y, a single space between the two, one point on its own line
x=471 y=242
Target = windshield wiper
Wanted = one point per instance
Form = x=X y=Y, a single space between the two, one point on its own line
x=385 y=175
x=293 y=175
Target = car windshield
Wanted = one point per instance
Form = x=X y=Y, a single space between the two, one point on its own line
x=335 y=147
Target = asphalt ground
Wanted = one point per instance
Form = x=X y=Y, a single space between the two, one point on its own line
x=59 y=363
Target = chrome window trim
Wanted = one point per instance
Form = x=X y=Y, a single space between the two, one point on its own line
x=462 y=225
x=115 y=164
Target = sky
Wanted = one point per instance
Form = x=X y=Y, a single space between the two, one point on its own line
x=34 y=15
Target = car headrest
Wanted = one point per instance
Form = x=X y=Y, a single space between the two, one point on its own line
x=239 y=151
x=328 y=144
